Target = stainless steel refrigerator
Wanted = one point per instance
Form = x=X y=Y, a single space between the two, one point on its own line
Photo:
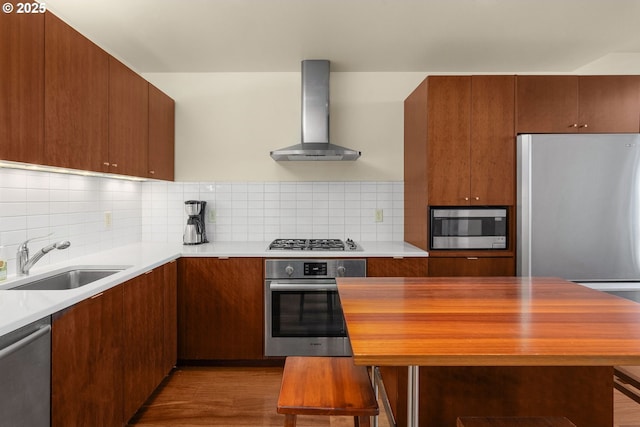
x=579 y=209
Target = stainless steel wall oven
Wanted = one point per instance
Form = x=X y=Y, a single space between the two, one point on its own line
x=303 y=315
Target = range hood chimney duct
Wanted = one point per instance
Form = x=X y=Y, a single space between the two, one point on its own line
x=315 y=145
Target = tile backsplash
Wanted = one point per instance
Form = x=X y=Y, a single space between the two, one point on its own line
x=97 y=213
x=72 y=207
x=263 y=211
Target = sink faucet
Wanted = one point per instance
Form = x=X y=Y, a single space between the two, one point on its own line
x=25 y=263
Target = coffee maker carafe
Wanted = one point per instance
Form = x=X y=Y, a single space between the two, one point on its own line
x=194 y=231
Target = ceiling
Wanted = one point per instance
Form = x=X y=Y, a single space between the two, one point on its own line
x=357 y=35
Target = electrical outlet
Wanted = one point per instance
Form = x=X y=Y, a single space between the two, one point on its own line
x=107 y=219
x=211 y=215
x=379 y=215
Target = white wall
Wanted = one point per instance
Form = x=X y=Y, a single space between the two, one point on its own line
x=226 y=124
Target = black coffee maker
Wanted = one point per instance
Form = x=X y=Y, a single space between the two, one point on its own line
x=194 y=231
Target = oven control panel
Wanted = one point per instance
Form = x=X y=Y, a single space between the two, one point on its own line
x=315 y=268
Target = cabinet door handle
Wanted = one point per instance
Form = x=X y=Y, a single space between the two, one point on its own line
x=466 y=198
x=477 y=198
x=575 y=125
x=152 y=172
x=106 y=163
x=471 y=258
x=115 y=165
x=584 y=125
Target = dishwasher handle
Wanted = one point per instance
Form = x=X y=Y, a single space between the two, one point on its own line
x=12 y=348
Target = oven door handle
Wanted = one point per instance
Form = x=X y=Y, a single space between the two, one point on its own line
x=301 y=286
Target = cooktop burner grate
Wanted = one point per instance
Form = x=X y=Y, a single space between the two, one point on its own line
x=312 y=245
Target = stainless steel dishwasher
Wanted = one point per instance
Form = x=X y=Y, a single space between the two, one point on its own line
x=25 y=375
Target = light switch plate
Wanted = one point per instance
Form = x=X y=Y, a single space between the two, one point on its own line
x=379 y=215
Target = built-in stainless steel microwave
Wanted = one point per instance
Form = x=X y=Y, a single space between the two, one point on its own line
x=467 y=227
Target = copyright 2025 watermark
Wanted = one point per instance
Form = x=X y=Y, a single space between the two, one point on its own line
x=24 y=8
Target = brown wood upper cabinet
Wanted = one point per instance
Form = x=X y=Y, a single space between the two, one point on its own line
x=459 y=146
x=571 y=104
x=74 y=106
x=470 y=148
x=161 y=135
x=21 y=87
x=76 y=99
x=128 y=121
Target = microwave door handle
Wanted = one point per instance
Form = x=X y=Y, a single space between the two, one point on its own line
x=301 y=286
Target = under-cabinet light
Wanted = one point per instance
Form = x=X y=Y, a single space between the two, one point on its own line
x=54 y=169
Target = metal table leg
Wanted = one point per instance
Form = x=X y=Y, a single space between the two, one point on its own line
x=381 y=395
x=413 y=396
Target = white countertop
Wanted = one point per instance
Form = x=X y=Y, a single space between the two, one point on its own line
x=19 y=308
x=260 y=249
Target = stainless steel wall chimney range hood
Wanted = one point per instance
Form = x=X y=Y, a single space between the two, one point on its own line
x=315 y=145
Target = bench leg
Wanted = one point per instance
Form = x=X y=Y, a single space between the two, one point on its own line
x=289 y=420
x=362 y=421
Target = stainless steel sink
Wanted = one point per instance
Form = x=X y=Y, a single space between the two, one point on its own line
x=70 y=279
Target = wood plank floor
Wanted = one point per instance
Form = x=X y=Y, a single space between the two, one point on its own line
x=242 y=397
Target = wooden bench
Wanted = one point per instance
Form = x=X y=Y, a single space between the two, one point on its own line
x=514 y=422
x=326 y=386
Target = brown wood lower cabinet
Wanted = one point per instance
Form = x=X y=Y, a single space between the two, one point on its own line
x=87 y=363
x=397 y=267
x=142 y=338
x=110 y=352
x=582 y=394
x=220 y=308
x=471 y=266
x=170 y=354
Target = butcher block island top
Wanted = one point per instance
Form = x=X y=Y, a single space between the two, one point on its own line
x=487 y=321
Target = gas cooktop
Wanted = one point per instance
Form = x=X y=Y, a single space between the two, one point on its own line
x=313 y=245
